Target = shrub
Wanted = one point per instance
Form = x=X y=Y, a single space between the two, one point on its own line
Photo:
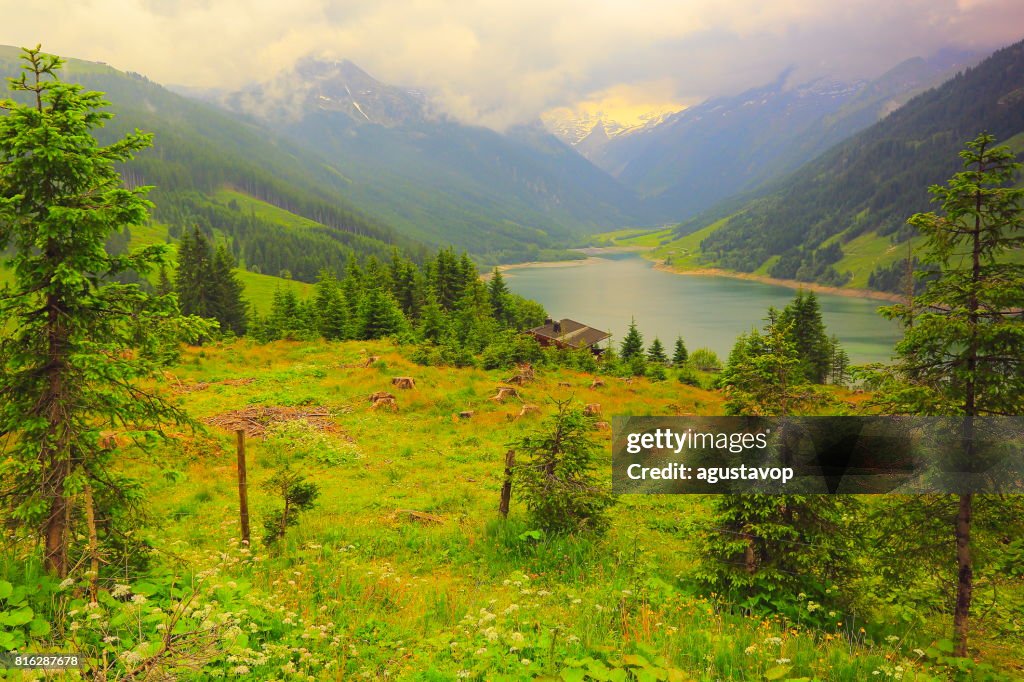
x=556 y=478
x=705 y=360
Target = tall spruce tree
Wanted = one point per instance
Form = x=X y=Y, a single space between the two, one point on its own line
x=656 y=352
x=206 y=282
x=963 y=334
x=76 y=344
x=229 y=306
x=498 y=293
x=767 y=543
x=680 y=355
x=331 y=310
x=632 y=345
x=806 y=328
x=379 y=315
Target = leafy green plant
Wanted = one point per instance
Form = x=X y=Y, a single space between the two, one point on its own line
x=297 y=495
x=556 y=477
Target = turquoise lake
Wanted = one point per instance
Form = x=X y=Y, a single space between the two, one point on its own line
x=707 y=311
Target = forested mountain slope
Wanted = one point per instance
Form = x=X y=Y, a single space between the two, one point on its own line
x=503 y=194
x=858 y=195
x=199 y=151
x=726 y=145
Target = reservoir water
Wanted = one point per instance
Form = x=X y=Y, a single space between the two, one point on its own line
x=707 y=311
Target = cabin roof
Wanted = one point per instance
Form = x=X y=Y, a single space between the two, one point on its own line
x=570 y=333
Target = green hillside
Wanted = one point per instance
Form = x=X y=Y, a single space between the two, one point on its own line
x=199 y=150
x=842 y=217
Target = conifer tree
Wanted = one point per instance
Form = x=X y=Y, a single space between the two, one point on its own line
x=77 y=342
x=807 y=332
x=764 y=376
x=656 y=353
x=432 y=324
x=229 y=306
x=379 y=315
x=767 y=542
x=839 y=365
x=164 y=285
x=331 y=310
x=499 y=296
x=963 y=335
x=195 y=296
x=680 y=355
x=632 y=345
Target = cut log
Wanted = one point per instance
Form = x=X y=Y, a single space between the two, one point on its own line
x=403 y=382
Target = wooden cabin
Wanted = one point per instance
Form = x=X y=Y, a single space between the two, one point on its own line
x=568 y=333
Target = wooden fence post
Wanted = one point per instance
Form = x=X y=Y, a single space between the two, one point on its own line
x=243 y=489
x=506 y=489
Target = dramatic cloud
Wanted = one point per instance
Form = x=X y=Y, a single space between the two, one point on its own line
x=497 y=63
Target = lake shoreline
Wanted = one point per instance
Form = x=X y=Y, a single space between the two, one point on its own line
x=789 y=283
x=593 y=256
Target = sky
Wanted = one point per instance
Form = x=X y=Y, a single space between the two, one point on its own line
x=498 y=63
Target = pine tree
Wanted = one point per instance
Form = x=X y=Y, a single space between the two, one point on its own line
x=632 y=345
x=807 y=332
x=680 y=355
x=656 y=353
x=961 y=349
x=839 y=365
x=379 y=315
x=77 y=342
x=432 y=324
x=762 y=543
x=164 y=285
x=331 y=310
x=195 y=296
x=763 y=376
x=499 y=297
x=228 y=304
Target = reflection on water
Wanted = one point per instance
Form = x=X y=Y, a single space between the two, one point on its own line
x=705 y=311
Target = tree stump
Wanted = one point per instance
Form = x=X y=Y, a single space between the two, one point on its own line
x=466 y=414
x=503 y=393
x=602 y=426
x=370 y=360
x=523 y=376
x=383 y=400
x=564 y=384
x=597 y=383
x=528 y=409
x=403 y=382
x=592 y=409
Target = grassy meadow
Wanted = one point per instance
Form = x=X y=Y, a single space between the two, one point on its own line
x=404 y=569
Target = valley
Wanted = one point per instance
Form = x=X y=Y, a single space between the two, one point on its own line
x=319 y=370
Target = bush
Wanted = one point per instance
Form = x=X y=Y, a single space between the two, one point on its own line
x=705 y=360
x=688 y=375
x=557 y=479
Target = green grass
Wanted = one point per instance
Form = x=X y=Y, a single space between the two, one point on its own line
x=361 y=588
x=684 y=253
x=264 y=211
